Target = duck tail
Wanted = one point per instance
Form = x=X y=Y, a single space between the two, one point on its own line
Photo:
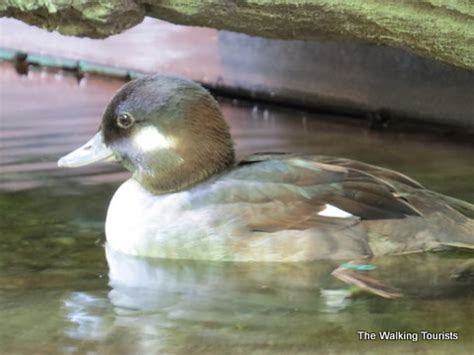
x=458 y=246
x=463 y=207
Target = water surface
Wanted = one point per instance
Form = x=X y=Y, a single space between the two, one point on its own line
x=56 y=293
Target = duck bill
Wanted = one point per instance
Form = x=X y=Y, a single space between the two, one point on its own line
x=93 y=151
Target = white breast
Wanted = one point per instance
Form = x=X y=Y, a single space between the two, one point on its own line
x=140 y=223
x=133 y=215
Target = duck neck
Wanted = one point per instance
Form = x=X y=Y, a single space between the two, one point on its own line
x=184 y=174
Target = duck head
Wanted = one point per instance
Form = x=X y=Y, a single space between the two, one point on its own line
x=168 y=131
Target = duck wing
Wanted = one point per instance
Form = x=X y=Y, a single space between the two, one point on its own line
x=320 y=186
x=401 y=185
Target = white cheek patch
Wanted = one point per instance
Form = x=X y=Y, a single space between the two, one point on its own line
x=332 y=211
x=150 y=138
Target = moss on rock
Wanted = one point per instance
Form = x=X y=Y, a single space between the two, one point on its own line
x=434 y=28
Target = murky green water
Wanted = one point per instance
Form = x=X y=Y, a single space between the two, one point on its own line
x=56 y=294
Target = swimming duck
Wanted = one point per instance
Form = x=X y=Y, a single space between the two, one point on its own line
x=188 y=198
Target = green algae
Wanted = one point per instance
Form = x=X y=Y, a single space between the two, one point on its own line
x=437 y=29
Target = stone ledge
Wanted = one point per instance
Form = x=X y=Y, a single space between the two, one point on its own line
x=441 y=31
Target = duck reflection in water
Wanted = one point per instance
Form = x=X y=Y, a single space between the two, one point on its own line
x=159 y=301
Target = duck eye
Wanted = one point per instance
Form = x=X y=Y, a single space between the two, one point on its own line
x=125 y=120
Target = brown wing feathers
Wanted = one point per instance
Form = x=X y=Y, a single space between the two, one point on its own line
x=369 y=200
x=377 y=171
x=298 y=216
x=354 y=191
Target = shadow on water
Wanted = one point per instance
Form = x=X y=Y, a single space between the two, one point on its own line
x=60 y=292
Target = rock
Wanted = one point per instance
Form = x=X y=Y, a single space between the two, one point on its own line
x=95 y=19
x=440 y=31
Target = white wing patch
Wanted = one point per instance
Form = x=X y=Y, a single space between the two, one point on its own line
x=150 y=138
x=332 y=211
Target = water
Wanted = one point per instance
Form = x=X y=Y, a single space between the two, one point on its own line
x=59 y=293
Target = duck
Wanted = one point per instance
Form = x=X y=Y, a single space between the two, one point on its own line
x=188 y=198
